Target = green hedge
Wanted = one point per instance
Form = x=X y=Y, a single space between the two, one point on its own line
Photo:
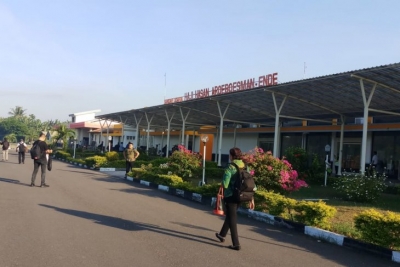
x=114 y=164
x=392 y=189
x=210 y=173
x=95 y=161
x=62 y=154
x=307 y=212
x=382 y=229
x=314 y=213
x=112 y=156
x=274 y=204
x=158 y=161
x=162 y=179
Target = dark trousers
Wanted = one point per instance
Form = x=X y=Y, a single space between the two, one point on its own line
x=230 y=222
x=36 y=165
x=129 y=166
x=21 y=157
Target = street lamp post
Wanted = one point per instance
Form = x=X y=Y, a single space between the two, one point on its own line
x=74 y=146
x=162 y=142
x=327 y=164
x=204 y=138
x=109 y=143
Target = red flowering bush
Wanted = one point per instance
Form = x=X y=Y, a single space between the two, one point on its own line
x=272 y=173
x=184 y=162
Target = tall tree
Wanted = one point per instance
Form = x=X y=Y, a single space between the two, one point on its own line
x=13 y=125
x=17 y=112
x=64 y=133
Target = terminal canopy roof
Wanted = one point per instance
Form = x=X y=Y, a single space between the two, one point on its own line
x=322 y=98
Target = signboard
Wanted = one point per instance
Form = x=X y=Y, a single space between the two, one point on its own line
x=266 y=80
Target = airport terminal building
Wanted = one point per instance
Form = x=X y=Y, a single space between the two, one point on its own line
x=346 y=115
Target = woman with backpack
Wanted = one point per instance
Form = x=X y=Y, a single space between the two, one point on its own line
x=231 y=202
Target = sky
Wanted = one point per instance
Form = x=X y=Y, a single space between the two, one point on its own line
x=59 y=57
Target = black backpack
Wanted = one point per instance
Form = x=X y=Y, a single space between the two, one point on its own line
x=243 y=190
x=6 y=145
x=36 y=153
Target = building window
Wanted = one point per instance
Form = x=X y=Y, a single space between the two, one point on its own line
x=130 y=138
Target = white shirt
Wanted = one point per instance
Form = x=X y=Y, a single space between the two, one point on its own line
x=21 y=144
x=375 y=160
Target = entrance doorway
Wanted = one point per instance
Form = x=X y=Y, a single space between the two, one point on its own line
x=266 y=145
x=351 y=155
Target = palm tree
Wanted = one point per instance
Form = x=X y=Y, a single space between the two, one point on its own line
x=64 y=133
x=17 y=112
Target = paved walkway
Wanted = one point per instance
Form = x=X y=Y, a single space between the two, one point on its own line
x=87 y=218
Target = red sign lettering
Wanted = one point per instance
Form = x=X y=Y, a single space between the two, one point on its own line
x=266 y=80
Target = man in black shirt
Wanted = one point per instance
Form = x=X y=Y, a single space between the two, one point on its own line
x=41 y=161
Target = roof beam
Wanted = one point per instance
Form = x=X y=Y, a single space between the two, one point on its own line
x=305 y=101
x=307 y=119
x=384 y=111
x=241 y=106
x=375 y=82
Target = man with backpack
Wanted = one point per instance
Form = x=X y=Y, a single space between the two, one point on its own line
x=21 y=148
x=238 y=187
x=39 y=151
x=6 y=146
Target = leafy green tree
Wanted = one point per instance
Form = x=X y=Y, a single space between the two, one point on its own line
x=13 y=125
x=17 y=112
x=64 y=133
x=11 y=138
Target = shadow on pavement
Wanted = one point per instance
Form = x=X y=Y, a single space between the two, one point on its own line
x=280 y=237
x=9 y=162
x=155 y=193
x=127 y=225
x=83 y=172
x=12 y=181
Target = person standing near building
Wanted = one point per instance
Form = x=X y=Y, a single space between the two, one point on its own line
x=6 y=146
x=40 y=160
x=375 y=159
x=121 y=147
x=231 y=205
x=21 y=149
x=130 y=155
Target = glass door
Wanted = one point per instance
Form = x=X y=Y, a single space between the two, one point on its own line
x=351 y=156
x=266 y=145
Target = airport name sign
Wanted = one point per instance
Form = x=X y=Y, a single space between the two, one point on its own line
x=266 y=80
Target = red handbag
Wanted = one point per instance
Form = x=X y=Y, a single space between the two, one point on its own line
x=219 y=205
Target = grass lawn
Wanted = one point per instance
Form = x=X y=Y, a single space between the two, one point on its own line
x=343 y=222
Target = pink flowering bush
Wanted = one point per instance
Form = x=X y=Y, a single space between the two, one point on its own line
x=272 y=173
x=184 y=162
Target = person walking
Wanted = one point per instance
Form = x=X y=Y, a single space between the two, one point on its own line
x=40 y=161
x=5 y=146
x=231 y=205
x=21 y=149
x=130 y=155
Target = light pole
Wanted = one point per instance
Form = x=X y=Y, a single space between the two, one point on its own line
x=109 y=143
x=162 y=142
x=327 y=164
x=204 y=138
x=74 y=146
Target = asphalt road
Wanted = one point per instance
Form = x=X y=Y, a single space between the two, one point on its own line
x=87 y=218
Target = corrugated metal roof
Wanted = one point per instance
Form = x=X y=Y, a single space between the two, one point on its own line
x=322 y=98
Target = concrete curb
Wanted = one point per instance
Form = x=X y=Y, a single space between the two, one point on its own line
x=272 y=220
